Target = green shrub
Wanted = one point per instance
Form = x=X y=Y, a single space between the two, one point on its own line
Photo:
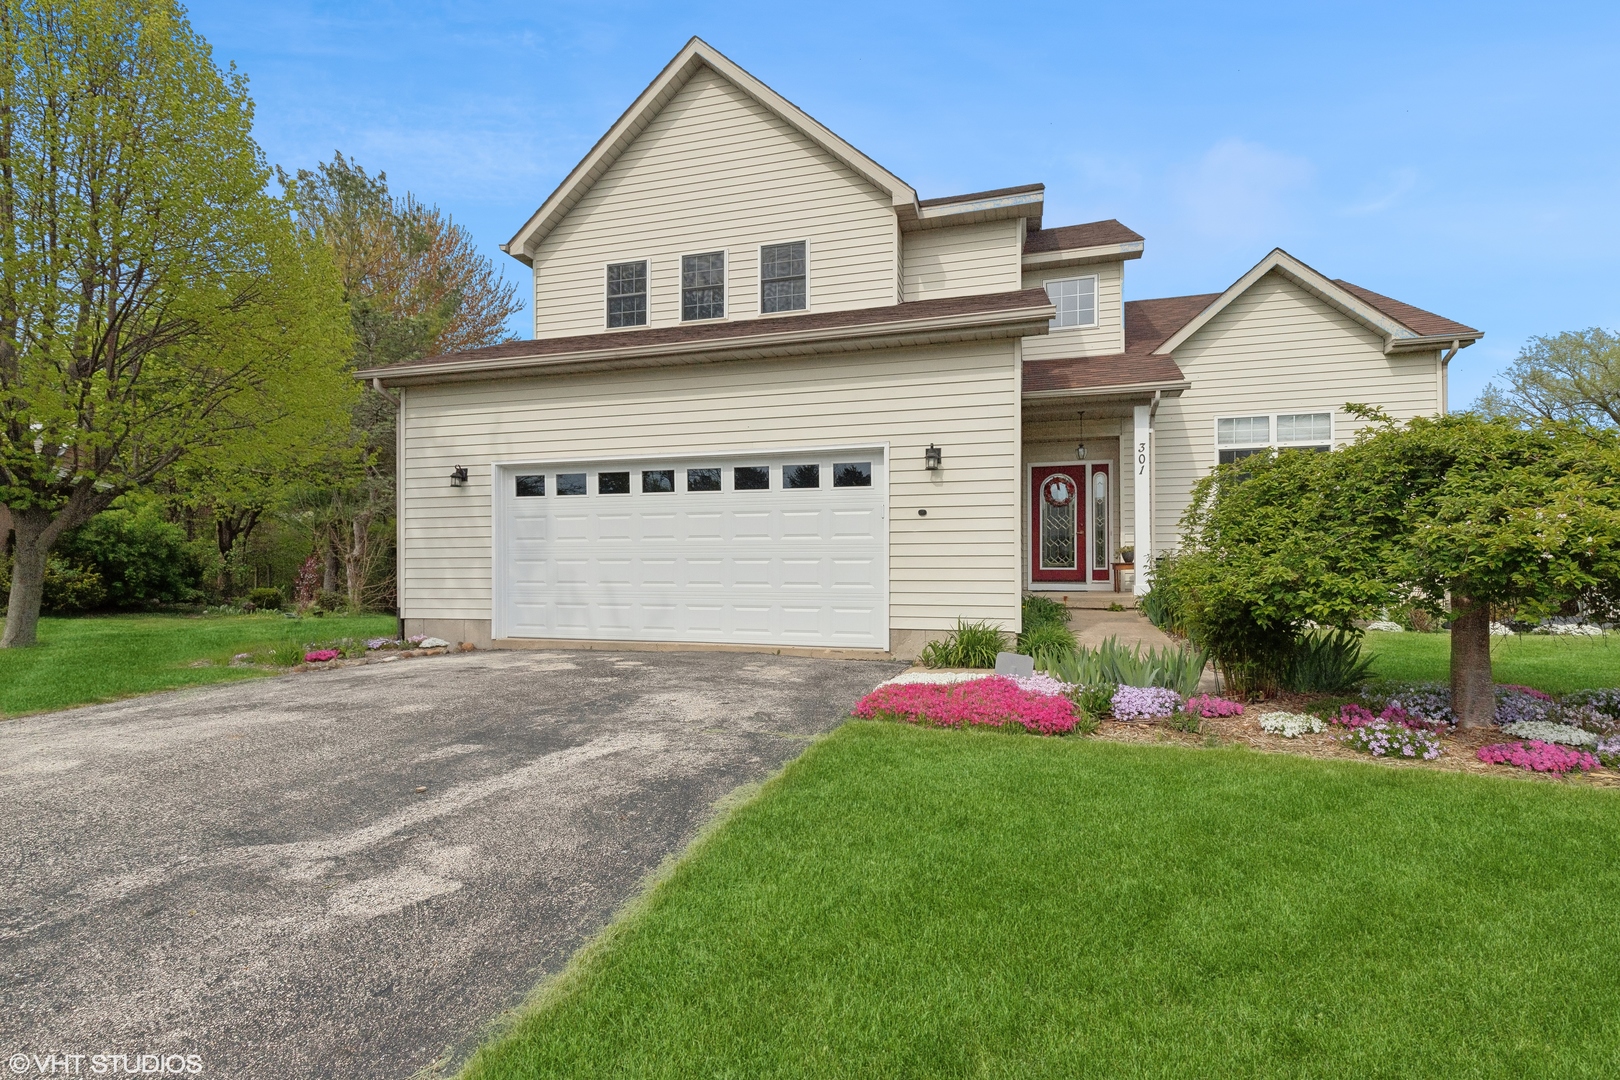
x=140 y=558
x=1092 y=701
x=288 y=653
x=1326 y=663
x=1164 y=604
x=72 y=590
x=1044 y=611
x=1046 y=638
x=328 y=600
x=970 y=645
x=266 y=598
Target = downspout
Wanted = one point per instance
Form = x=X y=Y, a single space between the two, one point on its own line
x=1445 y=361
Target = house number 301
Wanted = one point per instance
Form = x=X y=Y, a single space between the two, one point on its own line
x=1141 y=459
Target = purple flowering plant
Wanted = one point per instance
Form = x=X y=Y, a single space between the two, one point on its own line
x=1145 y=703
x=1384 y=738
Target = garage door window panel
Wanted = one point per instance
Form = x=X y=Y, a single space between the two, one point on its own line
x=571 y=483
x=751 y=478
x=702 y=479
x=613 y=483
x=852 y=474
x=801 y=476
x=531 y=487
x=657 y=481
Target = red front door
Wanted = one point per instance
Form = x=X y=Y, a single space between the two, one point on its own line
x=1058 y=523
x=1069 y=522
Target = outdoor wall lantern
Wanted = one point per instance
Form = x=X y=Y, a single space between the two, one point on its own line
x=1080 y=450
x=932 y=457
x=458 y=476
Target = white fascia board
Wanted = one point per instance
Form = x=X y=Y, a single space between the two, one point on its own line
x=1169 y=389
x=697 y=53
x=1045 y=260
x=1305 y=277
x=1434 y=341
x=1026 y=204
x=1018 y=323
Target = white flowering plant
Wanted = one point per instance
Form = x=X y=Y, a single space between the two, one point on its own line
x=1291 y=725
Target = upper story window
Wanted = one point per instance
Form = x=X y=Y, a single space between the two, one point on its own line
x=627 y=294
x=703 y=286
x=1236 y=437
x=1075 y=300
x=782 y=278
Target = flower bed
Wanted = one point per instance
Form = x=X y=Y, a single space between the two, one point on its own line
x=1145 y=703
x=1538 y=756
x=321 y=656
x=1383 y=738
x=996 y=701
x=1546 y=731
x=1290 y=725
x=1211 y=707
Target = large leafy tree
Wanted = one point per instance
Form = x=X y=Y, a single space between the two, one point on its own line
x=1573 y=376
x=156 y=301
x=416 y=285
x=1477 y=514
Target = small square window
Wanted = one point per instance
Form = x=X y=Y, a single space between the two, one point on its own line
x=1243 y=431
x=852 y=474
x=702 y=479
x=703 y=286
x=655 y=481
x=1305 y=428
x=626 y=294
x=751 y=478
x=529 y=487
x=801 y=476
x=571 y=483
x=782 y=278
x=1075 y=300
x=1226 y=457
x=613 y=483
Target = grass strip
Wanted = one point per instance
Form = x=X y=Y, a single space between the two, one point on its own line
x=1555 y=664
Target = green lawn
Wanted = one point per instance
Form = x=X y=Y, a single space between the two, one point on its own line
x=921 y=903
x=101 y=658
x=1554 y=664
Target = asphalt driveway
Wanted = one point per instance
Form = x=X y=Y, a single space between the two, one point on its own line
x=348 y=873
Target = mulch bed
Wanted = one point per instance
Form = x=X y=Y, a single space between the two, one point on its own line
x=1457 y=749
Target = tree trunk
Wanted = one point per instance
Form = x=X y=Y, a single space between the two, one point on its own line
x=329 y=577
x=359 y=559
x=27 y=577
x=1473 y=697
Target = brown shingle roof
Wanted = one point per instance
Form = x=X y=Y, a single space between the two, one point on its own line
x=974 y=195
x=700 y=335
x=1069 y=237
x=1415 y=319
x=1148 y=324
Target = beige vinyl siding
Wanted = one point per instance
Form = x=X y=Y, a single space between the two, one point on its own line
x=1277 y=348
x=715 y=171
x=1107 y=337
x=961 y=560
x=964 y=260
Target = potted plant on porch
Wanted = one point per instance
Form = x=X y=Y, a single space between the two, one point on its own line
x=1125 y=569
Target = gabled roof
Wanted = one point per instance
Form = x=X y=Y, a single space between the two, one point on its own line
x=984 y=315
x=697 y=54
x=1068 y=237
x=1137 y=369
x=1366 y=307
x=1025 y=201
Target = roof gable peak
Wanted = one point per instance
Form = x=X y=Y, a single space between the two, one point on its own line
x=695 y=55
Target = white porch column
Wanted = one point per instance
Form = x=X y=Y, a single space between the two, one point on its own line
x=1141 y=466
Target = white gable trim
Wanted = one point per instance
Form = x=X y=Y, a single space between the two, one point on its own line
x=1311 y=281
x=697 y=54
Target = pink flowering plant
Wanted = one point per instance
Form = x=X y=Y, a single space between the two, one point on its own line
x=996 y=701
x=321 y=656
x=1538 y=756
x=1209 y=706
x=1145 y=703
x=1383 y=738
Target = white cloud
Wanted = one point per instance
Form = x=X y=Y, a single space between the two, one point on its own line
x=1242 y=191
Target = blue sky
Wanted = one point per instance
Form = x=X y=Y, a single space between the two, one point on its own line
x=1461 y=157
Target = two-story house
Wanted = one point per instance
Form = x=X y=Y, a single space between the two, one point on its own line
x=775 y=399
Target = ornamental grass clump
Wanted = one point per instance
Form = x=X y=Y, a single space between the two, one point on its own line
x=1145 y=703
x=996 y=702
x=1210 y=707
x=1538 y=756
x=1291 y=725
x=1382 y=738
x=1546 y=731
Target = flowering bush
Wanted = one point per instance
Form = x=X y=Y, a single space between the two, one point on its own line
x=1608 y=751
x=1568 y=629
x=1382 y=738
x=1519 y=704
x=1544 y=731
x=1538 y=757
x=381 y=643
x=1208 y=705
x=321 y=656
x=1595 y=710
x=996 y=701
x=1290 y=725
x=1515 y=688
x=1145 y=703
x=1040 y=683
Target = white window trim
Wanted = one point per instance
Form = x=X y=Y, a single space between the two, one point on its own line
x=1272 y=441
x=648 y=262
x=759 y=275
x=1096 y=301
x=725 y=285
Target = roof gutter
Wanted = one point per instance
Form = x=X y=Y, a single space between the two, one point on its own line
x=1076 y=256
x=969 y=326
x=1121 y=390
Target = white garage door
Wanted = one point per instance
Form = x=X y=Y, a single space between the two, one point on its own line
x=774 y=549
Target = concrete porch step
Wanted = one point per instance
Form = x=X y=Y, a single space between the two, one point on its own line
x=1090 y=601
